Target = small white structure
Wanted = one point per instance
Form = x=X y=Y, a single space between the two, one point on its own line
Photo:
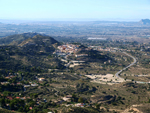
x=34 y=84
x=81 y=55
x=67 y=98
x=41 y=79
x=27 y=85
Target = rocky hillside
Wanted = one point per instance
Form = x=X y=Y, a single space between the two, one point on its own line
x=16 y=39
x=32 y=52
x=40 y=44
x=39 y=40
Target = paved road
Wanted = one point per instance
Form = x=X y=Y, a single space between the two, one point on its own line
x=134 y=61
x=117 y=74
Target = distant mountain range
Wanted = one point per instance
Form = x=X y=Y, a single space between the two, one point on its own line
x=145 y=21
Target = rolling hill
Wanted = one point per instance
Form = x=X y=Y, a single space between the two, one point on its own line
x=16 y=39
x=31 y=52
x=39 y=43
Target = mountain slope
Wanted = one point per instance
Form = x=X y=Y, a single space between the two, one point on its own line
x=39 y=43
x=40 y=40
x=32 y=52
x=16 y=39
x=7 y=111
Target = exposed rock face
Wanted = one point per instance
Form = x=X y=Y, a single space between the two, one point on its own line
x=103 y=99
x=132 y=110
x=135 y=109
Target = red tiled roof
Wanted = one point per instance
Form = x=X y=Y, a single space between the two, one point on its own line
x=9 y=97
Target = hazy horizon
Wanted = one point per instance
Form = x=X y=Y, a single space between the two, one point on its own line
x=64 y=20
x=75 y=10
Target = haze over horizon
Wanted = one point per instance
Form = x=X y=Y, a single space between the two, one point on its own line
x=75 y=10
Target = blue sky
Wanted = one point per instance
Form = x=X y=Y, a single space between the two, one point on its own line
x=75 y=9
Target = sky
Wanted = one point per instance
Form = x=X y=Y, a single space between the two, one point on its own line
x=129 y=10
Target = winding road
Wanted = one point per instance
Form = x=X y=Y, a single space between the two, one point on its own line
x=117 y=74
x=134 y=61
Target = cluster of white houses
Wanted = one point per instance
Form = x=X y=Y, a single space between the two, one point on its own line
x=68 y=48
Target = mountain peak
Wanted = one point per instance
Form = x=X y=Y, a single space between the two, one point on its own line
x=145 y=21
x=39 y=40
x=19 y=38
